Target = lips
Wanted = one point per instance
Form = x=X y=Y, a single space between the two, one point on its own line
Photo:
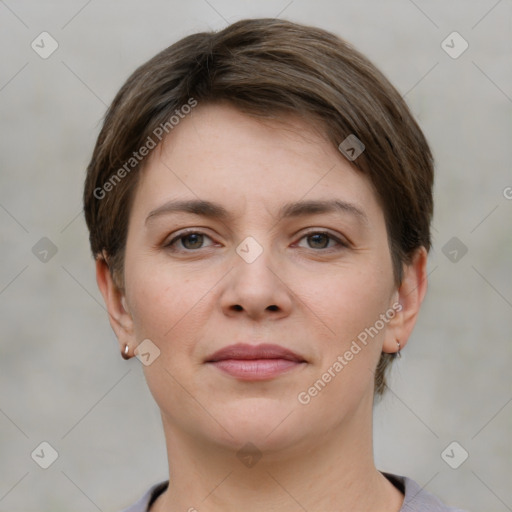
x=242 y=351
x=255 y=362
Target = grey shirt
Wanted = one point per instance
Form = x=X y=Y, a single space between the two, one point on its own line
x=416 y=499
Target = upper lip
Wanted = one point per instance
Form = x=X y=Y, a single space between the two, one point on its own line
x=246 y=351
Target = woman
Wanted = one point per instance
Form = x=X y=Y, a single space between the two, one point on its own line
x=259 y=204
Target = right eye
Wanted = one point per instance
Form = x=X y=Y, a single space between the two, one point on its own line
x=188 y=241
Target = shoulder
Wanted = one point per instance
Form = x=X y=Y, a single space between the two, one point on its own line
x=149 y=497
x=416 y=498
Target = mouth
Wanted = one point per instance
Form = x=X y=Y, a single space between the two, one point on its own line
x=255 y=362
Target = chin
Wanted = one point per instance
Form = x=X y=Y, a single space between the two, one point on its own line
x=265 y=422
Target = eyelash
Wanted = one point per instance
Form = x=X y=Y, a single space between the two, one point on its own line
x=182 y=235
x=342 y=244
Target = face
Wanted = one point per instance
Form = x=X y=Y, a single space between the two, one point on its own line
x=250 y=232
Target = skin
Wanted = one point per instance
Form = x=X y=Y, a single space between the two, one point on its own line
x=307 y=293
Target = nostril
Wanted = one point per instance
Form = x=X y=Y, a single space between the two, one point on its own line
x=237 y=307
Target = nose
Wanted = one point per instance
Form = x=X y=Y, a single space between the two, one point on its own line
x=257 y=289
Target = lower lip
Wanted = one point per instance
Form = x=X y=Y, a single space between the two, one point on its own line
x=255 y=369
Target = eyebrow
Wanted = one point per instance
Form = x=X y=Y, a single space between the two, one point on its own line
x=303 y=208
x=289 y=210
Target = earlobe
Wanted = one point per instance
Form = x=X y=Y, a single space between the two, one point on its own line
x=410 y=296
x=115 y=301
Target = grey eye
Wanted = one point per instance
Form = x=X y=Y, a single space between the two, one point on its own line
x=192 y=240
x=318 y=240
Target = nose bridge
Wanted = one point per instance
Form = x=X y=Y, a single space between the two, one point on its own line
x=254 y=262
x=255 y=285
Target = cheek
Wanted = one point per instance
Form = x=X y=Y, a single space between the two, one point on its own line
x=168 y=306
x=167 y=309
x=157 y=303
x=153 y=307
x=346 y=301
x=349 y=304
x=148 y=292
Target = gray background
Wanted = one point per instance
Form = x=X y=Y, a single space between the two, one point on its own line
x=61 y=377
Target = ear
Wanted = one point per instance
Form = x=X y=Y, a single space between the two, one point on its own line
x=119 y=316
x=410 y=295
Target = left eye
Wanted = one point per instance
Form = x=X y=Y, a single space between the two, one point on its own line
x=190 y=241
x=321 y=240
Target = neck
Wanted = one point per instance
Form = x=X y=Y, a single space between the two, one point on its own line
x=332 y=471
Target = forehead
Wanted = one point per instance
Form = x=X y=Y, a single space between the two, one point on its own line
x=223 y=155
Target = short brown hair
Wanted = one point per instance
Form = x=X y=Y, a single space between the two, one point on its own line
x=267 y=68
